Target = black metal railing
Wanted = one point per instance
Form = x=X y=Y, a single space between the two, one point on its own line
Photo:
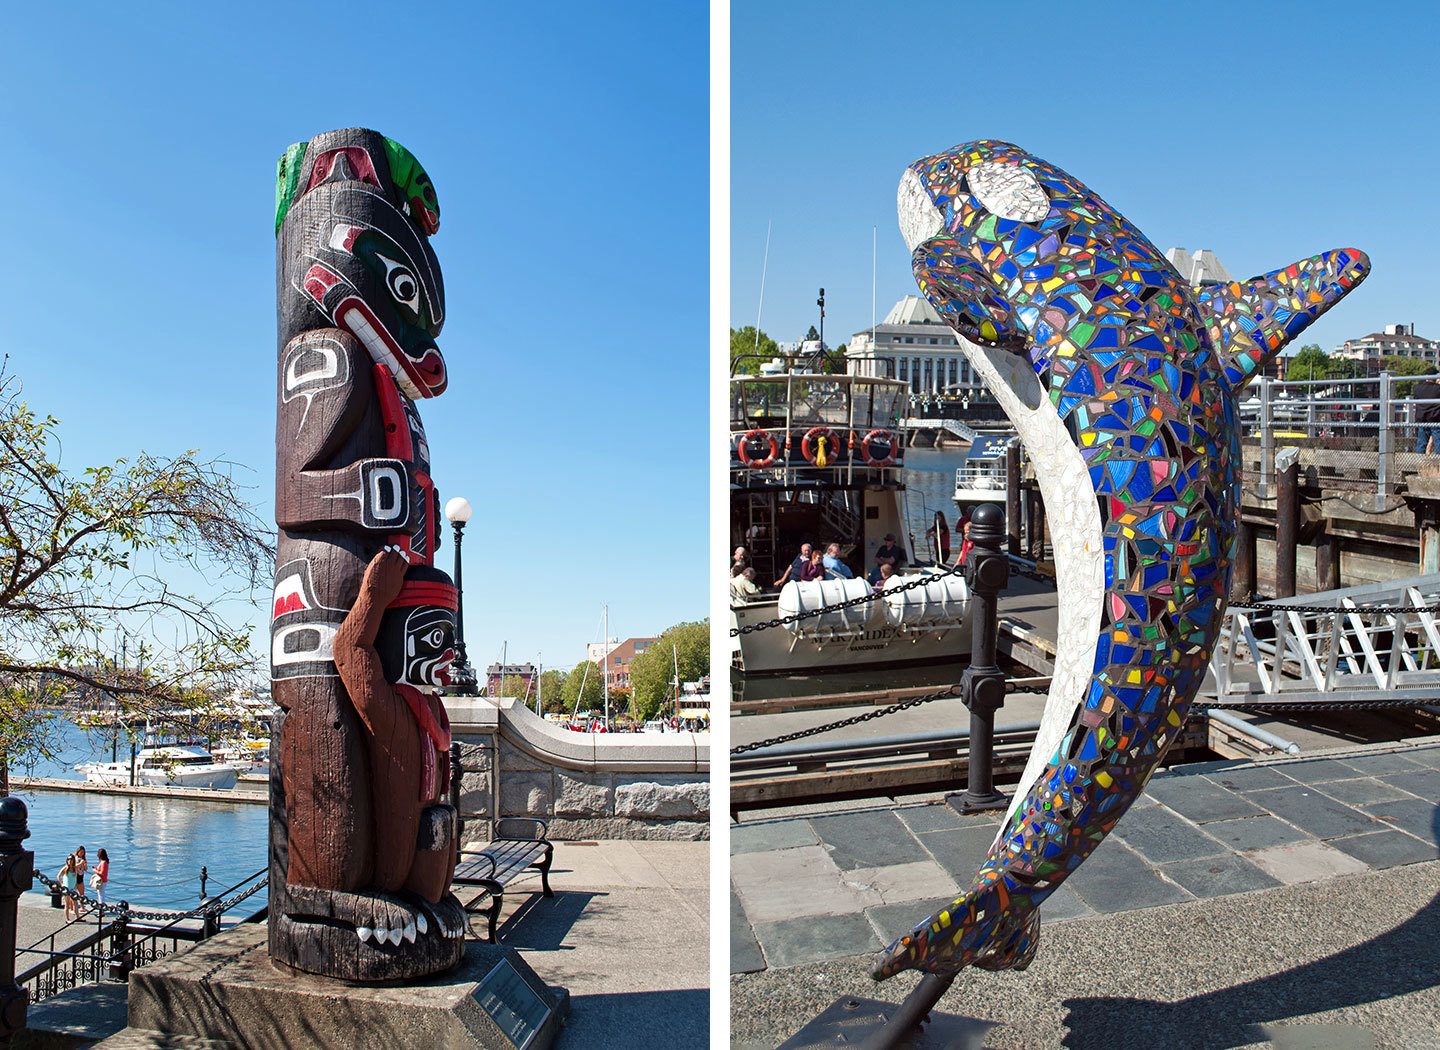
x=123 y=939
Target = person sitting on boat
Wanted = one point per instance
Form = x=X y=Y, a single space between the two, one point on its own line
x=740 y=559
x=835 y=569
x=814 y=569
x=891 y=552
x=886 y=573
x=743 y=587
x=796 y=566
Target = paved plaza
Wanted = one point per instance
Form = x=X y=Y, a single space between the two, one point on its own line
x=1222 y=874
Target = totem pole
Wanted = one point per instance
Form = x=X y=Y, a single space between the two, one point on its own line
x=362 y=851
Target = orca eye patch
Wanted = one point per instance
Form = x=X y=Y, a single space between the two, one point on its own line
x=1009 y=191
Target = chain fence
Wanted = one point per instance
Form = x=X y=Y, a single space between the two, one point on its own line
x=123 y=910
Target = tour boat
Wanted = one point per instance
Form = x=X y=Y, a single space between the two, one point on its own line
x=815 y=458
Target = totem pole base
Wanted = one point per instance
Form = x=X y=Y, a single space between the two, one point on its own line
x=227 y=990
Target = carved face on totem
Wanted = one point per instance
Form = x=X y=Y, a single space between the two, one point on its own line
x=417 y=634
x=360 y=207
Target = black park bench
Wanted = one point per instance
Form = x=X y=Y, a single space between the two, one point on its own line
x=519 y=844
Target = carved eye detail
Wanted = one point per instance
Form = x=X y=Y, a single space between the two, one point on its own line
x=402 y=283
x=434 y=638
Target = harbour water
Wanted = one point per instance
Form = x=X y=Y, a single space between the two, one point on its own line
x=156 y=845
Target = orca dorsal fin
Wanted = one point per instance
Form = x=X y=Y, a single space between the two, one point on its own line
x=1251 y=321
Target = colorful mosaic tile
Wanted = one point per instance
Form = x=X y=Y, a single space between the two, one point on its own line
x=1143 y=372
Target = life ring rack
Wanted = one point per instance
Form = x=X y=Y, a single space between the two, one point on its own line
x=757 y=463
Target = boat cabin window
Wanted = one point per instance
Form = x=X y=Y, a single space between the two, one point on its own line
x=818 y=400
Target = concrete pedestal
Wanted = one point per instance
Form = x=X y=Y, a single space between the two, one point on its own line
x=226 y=990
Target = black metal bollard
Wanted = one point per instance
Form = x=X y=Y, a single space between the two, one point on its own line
x=204 y=877
x=210 y=920
x=457 y=776
x=17 y=874
x=987 y=571
x=120 y=962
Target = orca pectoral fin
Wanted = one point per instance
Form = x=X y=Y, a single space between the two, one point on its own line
x=965 y=296
x=1252 y=321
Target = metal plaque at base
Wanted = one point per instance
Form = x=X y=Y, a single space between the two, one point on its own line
x=524 y=1010
x=852 y=1022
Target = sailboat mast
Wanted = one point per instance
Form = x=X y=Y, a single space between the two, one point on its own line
x=605 y=678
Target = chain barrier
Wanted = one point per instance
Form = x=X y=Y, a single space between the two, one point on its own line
x=210 y=908
x=879 y=712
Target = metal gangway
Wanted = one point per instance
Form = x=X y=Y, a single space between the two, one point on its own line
x=953 y=427
x=1374 y=645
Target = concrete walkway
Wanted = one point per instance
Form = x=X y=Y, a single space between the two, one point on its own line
x=627 y=933
x=1191 y=882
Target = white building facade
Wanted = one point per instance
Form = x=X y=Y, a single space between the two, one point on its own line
x=1397 y=340
x=913 y=345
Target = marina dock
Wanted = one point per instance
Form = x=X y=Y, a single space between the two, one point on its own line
x=244 y=793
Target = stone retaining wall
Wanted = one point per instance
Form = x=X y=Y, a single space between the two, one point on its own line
x=587 y=786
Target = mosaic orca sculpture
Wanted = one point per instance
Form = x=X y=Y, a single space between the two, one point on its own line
x=1122 y=381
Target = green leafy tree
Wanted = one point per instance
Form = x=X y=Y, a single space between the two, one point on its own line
x=86 y=558
x=1308 y=364
x=552 y=691
x=743 y=341
x=1405 y=366
x=583 y=689
x=652 y=674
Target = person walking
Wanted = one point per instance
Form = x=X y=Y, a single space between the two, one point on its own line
x=102 y=874
x=67 y=881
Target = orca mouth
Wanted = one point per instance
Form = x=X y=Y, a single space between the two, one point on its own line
x=920 y=219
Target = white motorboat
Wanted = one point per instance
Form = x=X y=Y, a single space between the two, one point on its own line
x=170 y=765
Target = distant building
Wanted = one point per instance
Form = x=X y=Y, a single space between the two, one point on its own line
x=913 y=345
x=622 y=655
x=508 y=673
x=1200 y=267
x=1398 y=340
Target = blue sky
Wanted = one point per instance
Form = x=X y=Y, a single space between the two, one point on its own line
x=569 y=147
x=1265 y=132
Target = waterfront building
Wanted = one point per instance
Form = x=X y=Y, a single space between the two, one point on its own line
x=509 y=673
x=915 y=346
x=622 y=655
x=1397 y=340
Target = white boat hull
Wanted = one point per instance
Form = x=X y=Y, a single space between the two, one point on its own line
x=117 y=774
x=777 y=651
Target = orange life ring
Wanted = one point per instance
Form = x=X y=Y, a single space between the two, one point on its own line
x=743 y=449
x=870 y=457
x=810 y=444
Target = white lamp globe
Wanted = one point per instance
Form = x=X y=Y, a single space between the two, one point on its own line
x=457 y=510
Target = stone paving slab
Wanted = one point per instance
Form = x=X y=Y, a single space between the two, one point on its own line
x=1203 y=832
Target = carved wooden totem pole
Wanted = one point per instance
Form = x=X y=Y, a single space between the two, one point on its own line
x=361 y=850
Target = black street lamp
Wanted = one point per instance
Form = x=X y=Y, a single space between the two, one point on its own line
x=463 y=679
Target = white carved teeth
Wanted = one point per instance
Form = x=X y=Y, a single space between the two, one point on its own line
x=410 y=932
x=363 y=932
x=421 y=923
